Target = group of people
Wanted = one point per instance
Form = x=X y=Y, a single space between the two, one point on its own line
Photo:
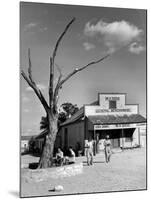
x=60 y=159
x=89 y=150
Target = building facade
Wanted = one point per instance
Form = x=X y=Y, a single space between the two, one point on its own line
x=25 y=143
x=109 y=115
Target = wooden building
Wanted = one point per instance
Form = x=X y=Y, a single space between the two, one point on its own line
x=109 y=115
x=25 y=142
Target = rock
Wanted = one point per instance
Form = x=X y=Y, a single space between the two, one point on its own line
x=58 y=188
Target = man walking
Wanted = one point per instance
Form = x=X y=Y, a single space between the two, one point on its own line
x=89 y=152
x=107 y=149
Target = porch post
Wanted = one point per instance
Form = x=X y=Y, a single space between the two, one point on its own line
x=139 y=140
x=122 y=138
x=94 y=150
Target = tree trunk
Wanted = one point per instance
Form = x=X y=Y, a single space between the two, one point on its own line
x=47 y=153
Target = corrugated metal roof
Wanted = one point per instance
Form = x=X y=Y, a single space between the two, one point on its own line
x=42 y=134
x=26 y=137
x=95 y=103
x=116 y=119
x=79 y=114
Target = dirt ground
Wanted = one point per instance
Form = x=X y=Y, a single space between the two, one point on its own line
x=126 y=171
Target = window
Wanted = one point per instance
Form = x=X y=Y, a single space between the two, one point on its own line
x=128 y=139
x=112 y=104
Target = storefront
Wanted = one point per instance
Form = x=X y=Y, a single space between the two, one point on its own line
x=110 y=115
x=121 y=135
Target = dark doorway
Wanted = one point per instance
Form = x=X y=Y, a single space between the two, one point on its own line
x=114 y=135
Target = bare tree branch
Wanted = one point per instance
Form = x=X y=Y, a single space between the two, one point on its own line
x=60 y=38
x=52 y=59
x=60 y=83
x=58 y=68
x=51 y=82
x=59 y=78
x=32 y=84
x=36 y=90
x=56 y=97
x=30 y=66
x=80 y=69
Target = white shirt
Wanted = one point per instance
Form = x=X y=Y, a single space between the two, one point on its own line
x=72 y=157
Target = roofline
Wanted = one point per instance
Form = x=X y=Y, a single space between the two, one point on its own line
x=26 y=137
x=118 y=93
x=79 y=116
x=100 y=93
x=122 y=93
x=75 y=122
x=120 y=123
x=113 y=115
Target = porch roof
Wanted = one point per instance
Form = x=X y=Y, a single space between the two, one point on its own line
x=117 y=119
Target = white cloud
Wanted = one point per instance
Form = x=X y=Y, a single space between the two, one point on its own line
x=136 y=48
x=29 y=88
x=115 y=34
x=33 y=26
x=25 y=99
x=43 y=29
x=26 y=110
x=30 y=25
x=88 y=46
x=40 y=86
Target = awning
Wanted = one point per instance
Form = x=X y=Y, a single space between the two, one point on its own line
x=117 y=119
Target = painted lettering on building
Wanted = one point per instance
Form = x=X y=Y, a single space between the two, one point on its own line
x=112 y=98
x=118 y=126
x=112 y=110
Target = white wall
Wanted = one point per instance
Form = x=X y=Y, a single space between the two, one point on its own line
x=143 y=133
x=104 y=100
x=23 y=143
x=136 y=137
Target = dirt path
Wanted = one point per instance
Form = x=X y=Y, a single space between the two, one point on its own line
x=126 y=171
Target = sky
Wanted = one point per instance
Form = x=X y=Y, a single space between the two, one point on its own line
x=97 y=31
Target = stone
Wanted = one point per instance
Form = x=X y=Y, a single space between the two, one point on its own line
x=58 y=188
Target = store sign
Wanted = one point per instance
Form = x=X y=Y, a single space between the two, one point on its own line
x=98 y=110
x=108 y=98
x=117 y=126
x=112 y=110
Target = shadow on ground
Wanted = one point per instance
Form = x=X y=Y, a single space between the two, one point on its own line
x=95 y=162
x=51 y=190
x=31 y=154
x=14 y=193
x=33 y=165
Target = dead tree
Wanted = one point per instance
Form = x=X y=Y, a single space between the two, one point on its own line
x=50 y=107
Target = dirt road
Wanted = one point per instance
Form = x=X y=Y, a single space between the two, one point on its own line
x=126 y=171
